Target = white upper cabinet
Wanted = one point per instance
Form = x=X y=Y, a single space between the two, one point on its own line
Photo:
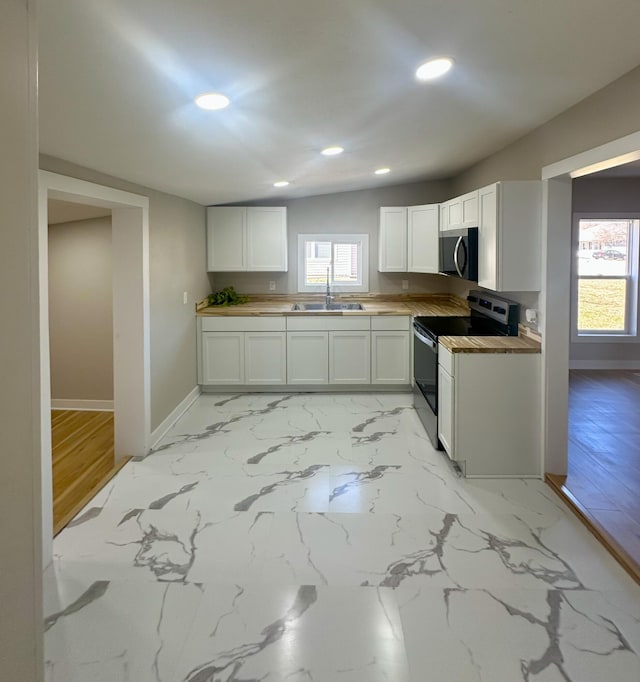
x=461 y=212
x=247 y=238
x=226 y=238
x=509 y=236
x=444 y=217
x=408 y=238
x=422 y=230
x=392 y=239
x=267 y=238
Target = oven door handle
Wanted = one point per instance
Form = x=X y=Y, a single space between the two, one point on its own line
x=425 y=339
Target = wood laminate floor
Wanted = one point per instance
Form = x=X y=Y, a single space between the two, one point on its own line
x=604 y=452
x=83 y=459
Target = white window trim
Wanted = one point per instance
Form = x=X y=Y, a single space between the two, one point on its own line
x=633 y=298
x=335 y=288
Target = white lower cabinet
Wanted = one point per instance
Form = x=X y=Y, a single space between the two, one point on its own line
x=307 y=357
x=390 y=357
x=445 y=410
x=391 y=350
x=489 y=412
x=239 y=351
x=222 y=358
x=349 y=357
x=310 y=350
x=265 y=358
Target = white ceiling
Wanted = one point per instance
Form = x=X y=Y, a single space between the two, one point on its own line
x=117 y=79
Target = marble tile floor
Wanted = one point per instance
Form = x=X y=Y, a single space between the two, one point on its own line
x=320 y=538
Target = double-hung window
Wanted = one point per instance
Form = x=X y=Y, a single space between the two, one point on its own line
x=342 y=258
x=605 y=299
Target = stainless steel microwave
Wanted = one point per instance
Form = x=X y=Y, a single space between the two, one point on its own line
x=459 y=253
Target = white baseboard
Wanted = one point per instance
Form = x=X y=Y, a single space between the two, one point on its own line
x=604 y=364
x=177 y=412
x=82 y=405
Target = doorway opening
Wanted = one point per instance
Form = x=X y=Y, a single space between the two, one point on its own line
x=130 y=329
x=596 y=352
x=81 y=355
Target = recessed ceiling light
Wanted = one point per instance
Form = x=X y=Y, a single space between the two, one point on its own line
x=281 y=183
x=332 y=151
x=434 y=68
x=212 y=101
x=382 y=171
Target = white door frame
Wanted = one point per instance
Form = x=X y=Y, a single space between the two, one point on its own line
x=555 y=299
x=131 y=356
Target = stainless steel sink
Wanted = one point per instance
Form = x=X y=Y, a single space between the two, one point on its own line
x=323 y=306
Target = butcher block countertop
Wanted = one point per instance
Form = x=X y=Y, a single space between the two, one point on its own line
x=373 y=304
x=527 y=341
x=384 y=304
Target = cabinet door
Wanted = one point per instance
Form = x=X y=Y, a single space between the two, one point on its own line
x=422 y=229
x=444 y=217
x=267 y=238
x=454 y=213
x=222 y=358
x=265 y=358
x=308 y=357
x=226 y=228
x=390 y=357
x=349 y=357
x=392 y=239
x=469 y=207
x=488 y=256
x=446 y=387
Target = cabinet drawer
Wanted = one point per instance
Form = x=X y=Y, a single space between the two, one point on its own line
x=312 y=323
x=385 y=323
x=243 y=324
x=445 y=359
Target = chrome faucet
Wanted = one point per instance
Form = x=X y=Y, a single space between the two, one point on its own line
x=328 y=297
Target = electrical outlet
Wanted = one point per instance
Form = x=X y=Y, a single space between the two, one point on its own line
x=185 y=298
x=272 y=286
x=405 y=284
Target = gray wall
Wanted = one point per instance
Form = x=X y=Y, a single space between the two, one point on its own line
x=606 y=115
x=602 y=195
x=21 y=656
x=177 y=256
x=81 y=310
x=343 y=213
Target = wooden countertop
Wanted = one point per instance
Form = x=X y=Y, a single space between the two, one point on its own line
x=490 y=344
x=373 y=304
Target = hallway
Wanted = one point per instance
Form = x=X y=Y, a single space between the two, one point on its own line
x=320 y=538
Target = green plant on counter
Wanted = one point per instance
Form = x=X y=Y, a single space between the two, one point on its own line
x=226 y=296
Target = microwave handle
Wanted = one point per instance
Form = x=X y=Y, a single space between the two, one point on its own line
x=455 y=256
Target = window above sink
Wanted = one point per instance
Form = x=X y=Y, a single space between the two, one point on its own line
x=345 y=255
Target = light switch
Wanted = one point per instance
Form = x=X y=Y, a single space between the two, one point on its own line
x=185 y=298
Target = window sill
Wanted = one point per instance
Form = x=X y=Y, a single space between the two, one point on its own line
x=605 y=338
